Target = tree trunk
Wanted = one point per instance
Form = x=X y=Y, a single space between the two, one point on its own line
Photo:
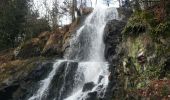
x=74 y=6
x=146 y=4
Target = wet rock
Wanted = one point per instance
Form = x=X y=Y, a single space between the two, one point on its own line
x=62 y=83
x=92 y=96
x=100 y=78
x=112 y=37
x=6 y=94
x=88 y=86
x=41 y=71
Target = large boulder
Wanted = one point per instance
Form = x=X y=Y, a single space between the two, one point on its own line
x=88 y=86
x=92 y=96
x=112 y=37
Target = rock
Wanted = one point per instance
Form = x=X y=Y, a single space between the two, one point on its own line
x=6 y=94
x=166 y=69
x=167 y=64
x=54 y=45
x=61 y=84
x=18 y=76
x=6 y=56
x=86 y=10
x=31 y=48
x=124 y=13
x=41 y=71
x=44 y=35
x=112 y=37
x=88 y=86
x=100 y=78
x=92 y=96
x=46 y=44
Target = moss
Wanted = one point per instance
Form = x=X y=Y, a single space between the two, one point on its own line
x=17 y=69
x=144 y=32
x=139 y=23
x=165 y=90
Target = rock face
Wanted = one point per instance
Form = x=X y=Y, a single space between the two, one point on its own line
x=141 y=61
x=53 y=45
x=61 y=83
x=47 y=44
x=15 y=82
x=112 y=38
x=92 y=96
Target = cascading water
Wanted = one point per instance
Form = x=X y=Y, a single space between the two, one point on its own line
x=85 y=73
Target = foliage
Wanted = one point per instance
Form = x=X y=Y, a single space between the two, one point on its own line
x=12 y=20
x=138 y=23
x=161 y=29
x=17 y=22
x=146 y=22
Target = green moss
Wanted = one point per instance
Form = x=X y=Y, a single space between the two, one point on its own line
x=162 y=29
x=144 y=32
x=140 y=22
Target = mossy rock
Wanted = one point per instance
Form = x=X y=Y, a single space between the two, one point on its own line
x=17 y=69
x=32 y=47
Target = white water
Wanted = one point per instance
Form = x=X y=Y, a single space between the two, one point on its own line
x=44 y=84
x=96 y=65
x=87 y=48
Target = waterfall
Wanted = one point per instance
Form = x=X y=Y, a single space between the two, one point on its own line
x=84 y=73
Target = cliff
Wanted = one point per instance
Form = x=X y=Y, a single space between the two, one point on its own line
x=139 y=55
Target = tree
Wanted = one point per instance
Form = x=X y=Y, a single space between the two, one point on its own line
x=12 y=21
x=18 y=21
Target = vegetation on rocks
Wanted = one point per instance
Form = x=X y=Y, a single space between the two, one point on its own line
x=145 y=61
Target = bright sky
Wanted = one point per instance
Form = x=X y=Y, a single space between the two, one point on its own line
x=39 y=4
x=41 y=8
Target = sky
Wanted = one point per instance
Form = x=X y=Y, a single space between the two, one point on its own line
x=39 y=4
x=41 y=8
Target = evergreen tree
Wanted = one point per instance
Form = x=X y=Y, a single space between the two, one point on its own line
x=12 y=21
